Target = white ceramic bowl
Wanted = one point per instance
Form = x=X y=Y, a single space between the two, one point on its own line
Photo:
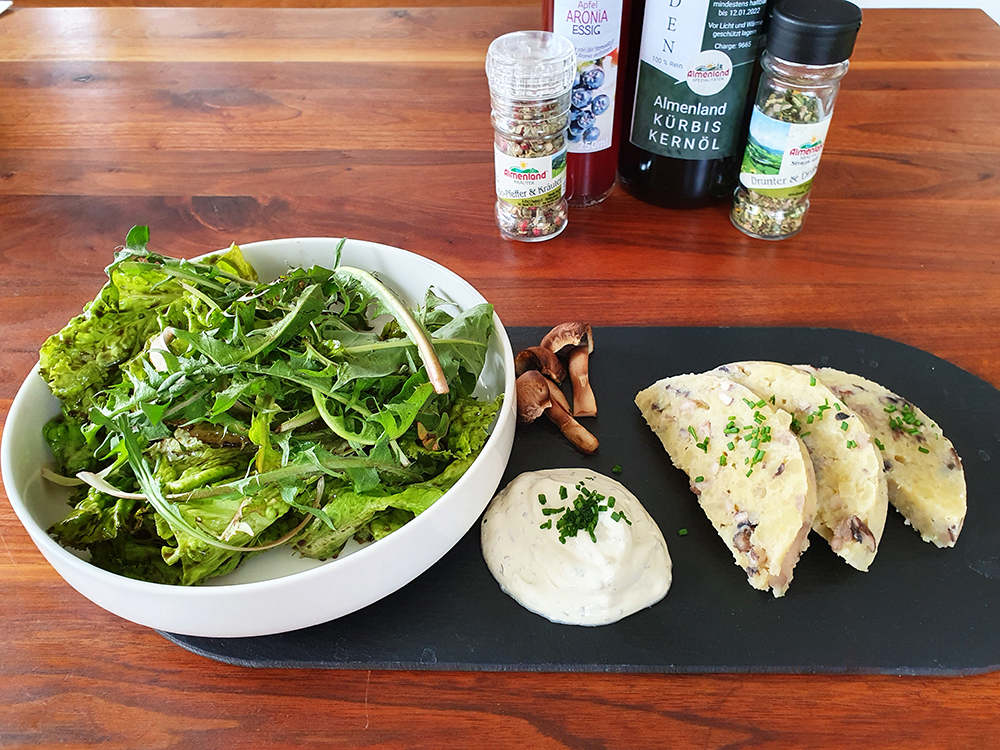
x=276 y=591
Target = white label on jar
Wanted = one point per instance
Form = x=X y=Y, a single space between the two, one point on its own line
x=537 y=181
x=782 y=157
x=594 y=27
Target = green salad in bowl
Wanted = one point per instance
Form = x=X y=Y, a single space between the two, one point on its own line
x=210 y=414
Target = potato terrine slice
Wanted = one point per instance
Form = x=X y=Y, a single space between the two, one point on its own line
x=752 y=475
x=925 y=475
x=851 y=490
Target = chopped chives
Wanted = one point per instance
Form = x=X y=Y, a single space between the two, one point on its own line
x=922 y=449
x=563 y=492
x=844 y=426
x=722 y=460
x=699 y=479
x=541 y=499
x=682 y=532
x=584 y=513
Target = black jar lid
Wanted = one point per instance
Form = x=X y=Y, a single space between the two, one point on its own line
x=813 y=32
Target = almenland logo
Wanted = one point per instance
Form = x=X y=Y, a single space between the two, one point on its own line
x=709 y=72
x=525 y=173
x=807 y=149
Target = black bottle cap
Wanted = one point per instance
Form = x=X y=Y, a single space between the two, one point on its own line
x=813 y=32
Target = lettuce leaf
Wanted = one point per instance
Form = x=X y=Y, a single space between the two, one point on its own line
x=353 y=512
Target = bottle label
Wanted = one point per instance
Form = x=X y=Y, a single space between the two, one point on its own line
x=782 y=157
x=594 y=27
x=534 y=181
x=695 y=63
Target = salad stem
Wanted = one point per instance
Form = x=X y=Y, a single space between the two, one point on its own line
x=410 y=324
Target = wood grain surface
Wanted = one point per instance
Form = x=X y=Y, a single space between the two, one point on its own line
x=241 y=124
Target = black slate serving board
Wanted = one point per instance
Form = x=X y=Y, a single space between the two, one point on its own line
x=920 y=609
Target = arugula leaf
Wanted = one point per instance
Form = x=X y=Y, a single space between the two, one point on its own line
x=306 y=308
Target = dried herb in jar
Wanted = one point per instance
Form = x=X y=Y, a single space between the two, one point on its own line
x=806 y=57
x=530 y=74
x=775 y=215
x=790 y=105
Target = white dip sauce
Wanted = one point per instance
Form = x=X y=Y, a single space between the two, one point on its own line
x=581 y=582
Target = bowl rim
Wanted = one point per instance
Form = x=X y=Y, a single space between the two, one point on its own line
x=48 y=546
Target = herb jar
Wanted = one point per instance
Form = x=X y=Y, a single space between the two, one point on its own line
x=530 y=76
x=807 y=53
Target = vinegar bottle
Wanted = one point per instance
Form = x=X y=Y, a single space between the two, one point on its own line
x=689 y=70
x=598 y=29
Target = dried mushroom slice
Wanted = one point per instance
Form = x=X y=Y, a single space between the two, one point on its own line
x=575 y=342
x=537 y=395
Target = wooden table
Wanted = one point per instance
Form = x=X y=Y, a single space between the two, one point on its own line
x=221 y=125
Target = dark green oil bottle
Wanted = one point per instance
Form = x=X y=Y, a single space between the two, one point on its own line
x=689 y=75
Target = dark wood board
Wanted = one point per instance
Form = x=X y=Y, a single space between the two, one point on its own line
x=920 y=609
